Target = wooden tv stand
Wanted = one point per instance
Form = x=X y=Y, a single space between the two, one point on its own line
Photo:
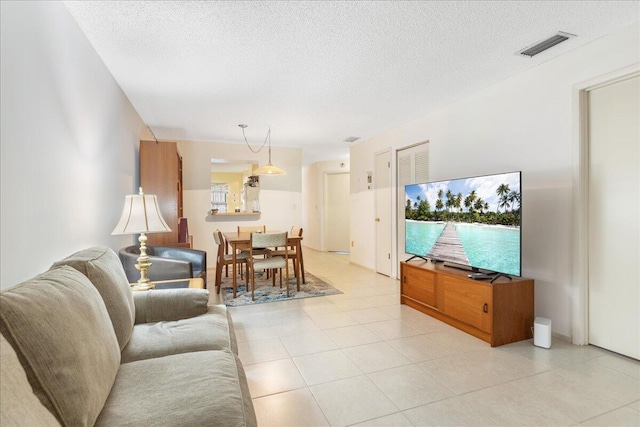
x=498 y=313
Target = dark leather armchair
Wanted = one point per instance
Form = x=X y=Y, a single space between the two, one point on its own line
x=167 y=263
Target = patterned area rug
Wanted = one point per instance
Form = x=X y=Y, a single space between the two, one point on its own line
x=265 y=292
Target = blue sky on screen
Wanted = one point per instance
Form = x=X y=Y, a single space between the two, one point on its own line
x=485 y=187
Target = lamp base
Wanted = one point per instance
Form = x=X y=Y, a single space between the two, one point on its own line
x=143 y=265
x=144 y=286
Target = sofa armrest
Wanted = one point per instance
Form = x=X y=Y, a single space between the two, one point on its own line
x=169 y=304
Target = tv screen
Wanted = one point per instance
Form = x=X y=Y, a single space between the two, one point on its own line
x=473 y=222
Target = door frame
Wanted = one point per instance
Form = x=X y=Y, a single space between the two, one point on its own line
x=580 y=197
x=325 y=196
x=387 y=151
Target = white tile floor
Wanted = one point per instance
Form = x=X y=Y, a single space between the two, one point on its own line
x=360 y=358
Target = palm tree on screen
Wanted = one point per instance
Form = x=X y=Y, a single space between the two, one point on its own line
x=514 y=198
x=450 y=202
x=503 y=191
x=458 y=202
x=479 y=204
x=470 y=201
x=439 y=203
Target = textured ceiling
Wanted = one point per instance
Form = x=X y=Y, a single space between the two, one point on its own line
x=319 y=72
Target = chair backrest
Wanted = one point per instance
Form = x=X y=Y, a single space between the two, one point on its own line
x=296 y=231
x=183 y=231
x=219 y=239
x=267 y=240
x=252 y=229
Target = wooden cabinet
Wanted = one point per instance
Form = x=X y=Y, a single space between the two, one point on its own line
x=498 y=313
x=420 y=284
x=161 y=174
x=471 y=303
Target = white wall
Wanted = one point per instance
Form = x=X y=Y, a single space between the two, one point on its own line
x=524 y=123
x=280 y=196
x=69 y=142
x=313 y=200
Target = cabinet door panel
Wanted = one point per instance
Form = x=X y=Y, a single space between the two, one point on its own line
x=469 y=302
x=419 y=284
x=160 y=175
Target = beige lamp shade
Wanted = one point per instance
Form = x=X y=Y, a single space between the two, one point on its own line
x=269 y=169
x=141 y=214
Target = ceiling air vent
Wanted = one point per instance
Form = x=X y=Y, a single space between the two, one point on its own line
x=543 y=45
x=352 y=139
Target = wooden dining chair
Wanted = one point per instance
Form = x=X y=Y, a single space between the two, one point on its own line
x=253 y=229
x=223 y=259
x=292 y=253
x=269 y=263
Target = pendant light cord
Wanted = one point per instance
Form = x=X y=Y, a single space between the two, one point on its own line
x=267 y=138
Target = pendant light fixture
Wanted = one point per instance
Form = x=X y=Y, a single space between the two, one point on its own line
x=269 y=168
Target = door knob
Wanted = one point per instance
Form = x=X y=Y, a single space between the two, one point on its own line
x=377 y=219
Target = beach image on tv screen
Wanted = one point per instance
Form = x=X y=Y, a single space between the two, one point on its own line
x=472 y=221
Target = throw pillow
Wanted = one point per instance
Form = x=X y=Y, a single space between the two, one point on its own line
x=103 y=268
x=62 y=334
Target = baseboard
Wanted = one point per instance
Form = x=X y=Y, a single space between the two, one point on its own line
x=561 y=337
x=361 y=266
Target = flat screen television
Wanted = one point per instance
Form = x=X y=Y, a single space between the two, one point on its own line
x=473 y=223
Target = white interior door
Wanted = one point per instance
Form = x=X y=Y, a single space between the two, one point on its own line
x=336 y=192
x=382 y=196
x=614 y=217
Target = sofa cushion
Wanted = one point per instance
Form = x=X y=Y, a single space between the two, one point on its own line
x=205 y=388
x=170 y=304
x=103 y=268
x=210 y=331
x=59 y=326
x=18 y=405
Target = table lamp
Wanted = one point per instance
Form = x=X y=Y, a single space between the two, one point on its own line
x=141 y=215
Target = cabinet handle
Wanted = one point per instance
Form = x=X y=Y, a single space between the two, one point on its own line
x=485 y=308
x=404 y=279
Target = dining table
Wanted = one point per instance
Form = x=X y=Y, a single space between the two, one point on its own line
x=242 y=240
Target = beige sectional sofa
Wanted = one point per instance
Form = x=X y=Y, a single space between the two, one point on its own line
x=78 y=348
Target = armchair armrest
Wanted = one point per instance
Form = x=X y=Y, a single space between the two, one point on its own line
x=197 y=258
x=169 y=304
x=162 y=268
x=169 y=268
